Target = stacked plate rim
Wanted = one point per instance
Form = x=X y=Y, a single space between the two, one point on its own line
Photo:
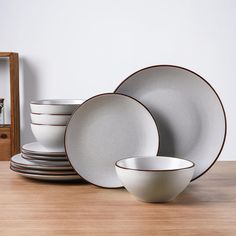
x=46 y=159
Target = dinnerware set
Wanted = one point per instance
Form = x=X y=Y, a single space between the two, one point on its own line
x=163 y=127
x=46 y=159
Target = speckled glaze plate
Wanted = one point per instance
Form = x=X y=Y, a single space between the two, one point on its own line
x=44 y=158
x=104 y=129
x=49 y=177
x=36 y=148
x=28 y=170
x=21 y=162
x=189 y=113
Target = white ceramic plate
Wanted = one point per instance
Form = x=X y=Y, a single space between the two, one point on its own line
x=105 y=129
x=27 y=170
x=48 y=163
x=50 y=177
x=19 y=161
x=44 y=158
x=37 y=149
x=190 y=116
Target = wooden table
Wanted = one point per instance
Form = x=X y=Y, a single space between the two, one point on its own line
x=27 y=207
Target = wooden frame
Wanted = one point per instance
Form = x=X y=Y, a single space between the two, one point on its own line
x=14 y=128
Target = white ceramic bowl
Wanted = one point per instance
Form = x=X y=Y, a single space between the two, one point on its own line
x=50 y=119
x=50 y=136
x=155 y=179
x=55 y=106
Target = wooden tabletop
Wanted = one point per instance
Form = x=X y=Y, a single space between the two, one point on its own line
x=27 y=207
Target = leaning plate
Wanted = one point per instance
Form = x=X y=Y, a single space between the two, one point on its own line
x=37 y=149
x=21 y=162
x=188 y=111
x=104 y=129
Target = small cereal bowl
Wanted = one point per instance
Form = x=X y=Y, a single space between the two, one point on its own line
x=50 y=136
x=155 y=179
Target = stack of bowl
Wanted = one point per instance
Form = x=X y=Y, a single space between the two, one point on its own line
x=46 y=158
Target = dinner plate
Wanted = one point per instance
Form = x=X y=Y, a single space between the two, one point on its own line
x=27 y=170
x=50 y=177
x=37 y=149
x=189 y=113
x=104 y=129
x=47 y=158
x=47 y=163
x=19 y=161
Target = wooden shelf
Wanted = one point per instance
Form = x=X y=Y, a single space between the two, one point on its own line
x=5 y=126
x=6 y=54
x=11 y=145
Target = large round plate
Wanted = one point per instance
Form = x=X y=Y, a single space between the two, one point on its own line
x=104 y=129
x=188 y=111
x=36 y=148
x=19 y=161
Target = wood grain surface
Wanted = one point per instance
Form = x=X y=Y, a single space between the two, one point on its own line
x=27 y=207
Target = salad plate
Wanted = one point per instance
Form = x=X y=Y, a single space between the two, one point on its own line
x=36 y=148
x=189 y=113
x=104 y=129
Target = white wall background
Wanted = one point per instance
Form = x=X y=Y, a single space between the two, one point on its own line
x=76 y=49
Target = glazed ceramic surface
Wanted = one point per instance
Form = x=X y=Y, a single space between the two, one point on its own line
x=104 y=129
x=155 y=179
x=189 y=114
x=36 y=148
x=28 y=170
x=48 y=163
x=46 y=158
x=20 y=161
x=50 y=136
x=55 y=106
x=46 y=119
x=50 y=177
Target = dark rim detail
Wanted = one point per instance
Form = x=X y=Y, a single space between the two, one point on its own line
x=51 y=154
x=82 y=106
x=49 y=114
x=167 y=170
x=46 y=124
x=200 y=77
x=21 y=170
x=38 y=102
x=43 y=161
x=43 y=158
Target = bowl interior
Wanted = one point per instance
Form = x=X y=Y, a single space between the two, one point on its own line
x=158 y=163
x=58 y=102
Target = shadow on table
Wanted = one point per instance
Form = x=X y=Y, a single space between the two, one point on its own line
x=195 y=194
x=49 y=182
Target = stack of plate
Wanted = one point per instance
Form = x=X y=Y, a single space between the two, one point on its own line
x=46 y=159
x=37 y=162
